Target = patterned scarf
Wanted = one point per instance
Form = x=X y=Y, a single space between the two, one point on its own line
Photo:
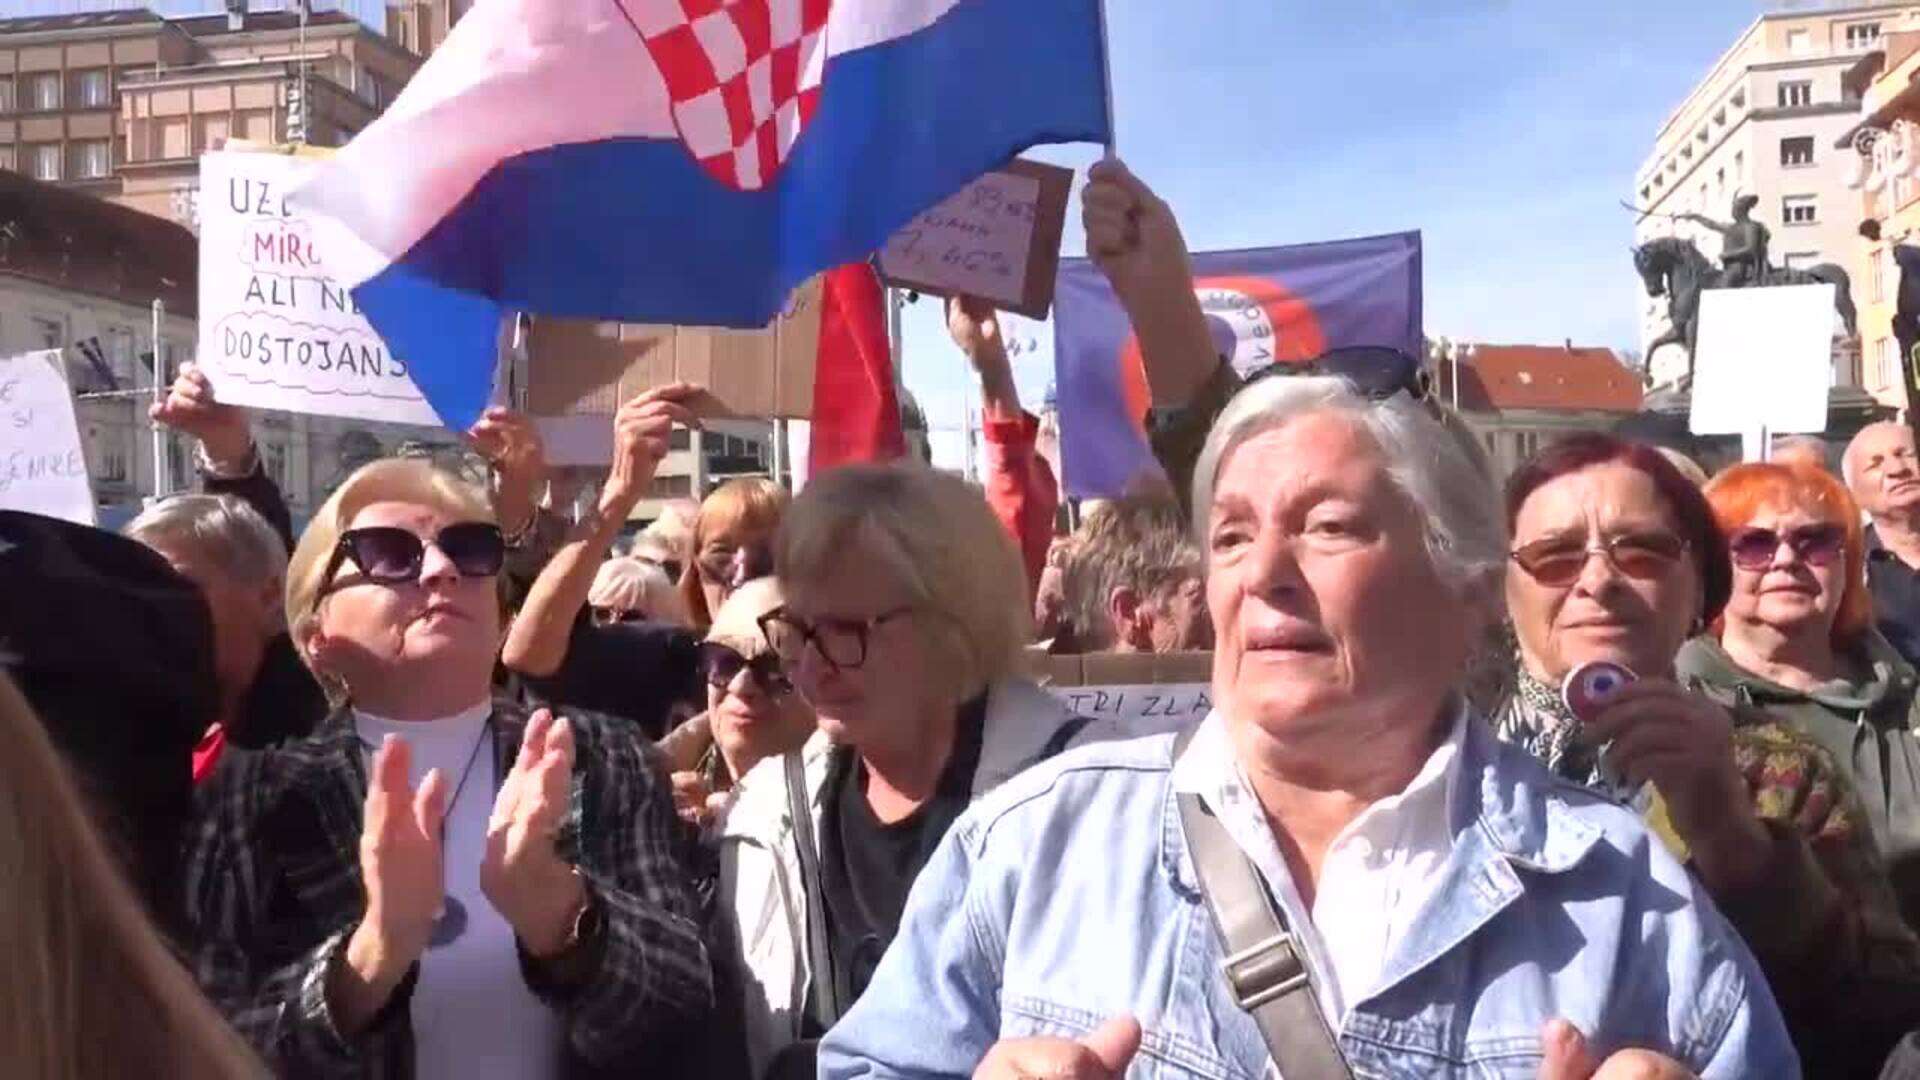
x=1537 y=719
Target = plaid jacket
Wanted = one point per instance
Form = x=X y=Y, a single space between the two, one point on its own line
x=274 y=892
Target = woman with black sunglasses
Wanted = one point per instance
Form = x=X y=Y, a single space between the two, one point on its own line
x=1617 y=559
x=436 y=883
x=753 y=711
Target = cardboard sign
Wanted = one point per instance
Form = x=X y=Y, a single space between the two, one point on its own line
x=1145 y=692
x=276 y=331
x=579 y=372
x=1763 y=361
x=43 y=466
x=998 y=238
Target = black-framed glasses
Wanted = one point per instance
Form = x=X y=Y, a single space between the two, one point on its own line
x=390 y=555
x=1558 y=561
x=1376 y=372
x=721 y=663
x=842 y=643
x=1815 y=545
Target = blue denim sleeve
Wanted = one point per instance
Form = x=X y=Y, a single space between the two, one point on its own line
x=932 y=1009
x=1756 y=1041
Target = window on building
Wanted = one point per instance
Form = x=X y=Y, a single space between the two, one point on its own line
x=1863 y=35
x=7 y=159
x=110 y=457
x=1877 y=268
x=1797 y=151
x=6 y=93
x=1886 y=362
x=1795 y=93
x=118 y=342
x=1799 y=210
x=43 y=161
x=680 y=439
x=670 y=487
x=43 y=91
x=48 y=332
x=1799 y=41
x=91 y=89
x=92 y=159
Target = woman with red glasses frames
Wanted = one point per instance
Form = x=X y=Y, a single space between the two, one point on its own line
x=1798 y=641
x=1618 y=558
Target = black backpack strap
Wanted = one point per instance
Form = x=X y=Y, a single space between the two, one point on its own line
x=826 y=983
x=1065 y=735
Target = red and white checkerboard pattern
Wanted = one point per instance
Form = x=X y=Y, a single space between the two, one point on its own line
x=743 y=75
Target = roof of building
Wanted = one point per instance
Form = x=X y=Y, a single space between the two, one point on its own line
x=40 y=24
x=1499 y=377
x=71 y=240
x=202 y=26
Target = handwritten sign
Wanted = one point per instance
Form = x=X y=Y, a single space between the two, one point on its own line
x=1147 y=709
x=997 y=239
x=579 y=372
x=43 y=467
x=275 y=330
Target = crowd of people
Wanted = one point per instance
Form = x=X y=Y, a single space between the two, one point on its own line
x=457 y=782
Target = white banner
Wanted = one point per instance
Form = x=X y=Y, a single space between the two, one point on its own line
x=43 y=466
x=275 y=331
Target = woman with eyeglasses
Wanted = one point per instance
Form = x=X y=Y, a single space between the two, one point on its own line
x=436 y=883
x=753 y=711
x=1617 y=558
x=1798 y=642
x=904 y=620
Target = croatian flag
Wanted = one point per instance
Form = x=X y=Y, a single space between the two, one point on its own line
x=1264 y=306
x=678 y=161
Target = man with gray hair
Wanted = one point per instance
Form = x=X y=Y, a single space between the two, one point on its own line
x=1133 y=580
x=239 y=563
x=1883 y=472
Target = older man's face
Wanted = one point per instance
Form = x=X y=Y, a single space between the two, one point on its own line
x=1327 y=610
x=1882 y=470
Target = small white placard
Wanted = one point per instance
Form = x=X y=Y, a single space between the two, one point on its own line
x=1764 y=360
x=43 y=466
x=276 y=331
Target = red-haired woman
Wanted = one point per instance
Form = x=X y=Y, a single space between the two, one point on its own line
x=1796 y=641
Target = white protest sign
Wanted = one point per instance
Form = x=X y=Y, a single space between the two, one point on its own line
x=1763 y=361
x=275 y=331
x=998 y=238
x=43 y=467
x=1145 y=709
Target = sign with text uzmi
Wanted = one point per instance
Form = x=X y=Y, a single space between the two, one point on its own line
x=275 y=331
x=43 y=468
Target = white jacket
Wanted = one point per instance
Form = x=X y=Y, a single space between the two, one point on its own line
x=760 y=861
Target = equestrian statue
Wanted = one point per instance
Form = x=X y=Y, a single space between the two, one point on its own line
x=1673 y=267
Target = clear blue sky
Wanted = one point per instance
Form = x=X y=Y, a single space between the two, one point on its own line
x=1505 y=131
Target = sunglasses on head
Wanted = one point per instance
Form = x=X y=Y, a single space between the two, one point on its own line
x=1559 y=561
x=1376 y=372
x=721 y=664
x=1815 y=545
x=389 y=555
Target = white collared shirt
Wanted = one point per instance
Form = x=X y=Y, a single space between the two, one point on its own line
x=1377 y=874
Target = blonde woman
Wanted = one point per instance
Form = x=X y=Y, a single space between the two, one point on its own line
x=436 y=883
x=88 y=992
x=905 y=616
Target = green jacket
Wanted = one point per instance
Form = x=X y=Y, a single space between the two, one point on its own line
x=1870 y=727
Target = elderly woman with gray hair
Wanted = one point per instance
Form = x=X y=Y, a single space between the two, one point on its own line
x=239 y=563
x=1340 y=871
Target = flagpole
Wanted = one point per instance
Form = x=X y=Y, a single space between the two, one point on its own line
x=1106 y=73
x=161 y=481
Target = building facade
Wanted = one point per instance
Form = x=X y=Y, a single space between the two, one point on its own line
x=1764 y=122
x=1519 y=398
x=1885 y=145
x=122 y=104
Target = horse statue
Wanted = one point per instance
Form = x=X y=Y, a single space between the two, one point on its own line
x=1673 y=267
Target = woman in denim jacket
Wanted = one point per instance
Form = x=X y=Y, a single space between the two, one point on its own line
x=1449 y=899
